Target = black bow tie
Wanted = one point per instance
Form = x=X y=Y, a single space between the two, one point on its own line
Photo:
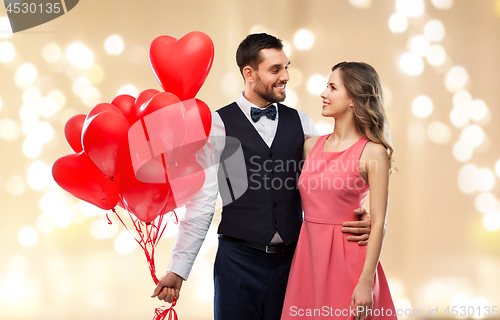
x=257 y=113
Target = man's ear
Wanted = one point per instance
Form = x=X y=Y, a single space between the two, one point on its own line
x=248 y=74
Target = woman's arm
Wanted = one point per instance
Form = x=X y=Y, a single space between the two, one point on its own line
x=376 y=164
x=308 y=145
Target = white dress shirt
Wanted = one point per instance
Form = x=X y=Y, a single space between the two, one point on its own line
x=200 y=209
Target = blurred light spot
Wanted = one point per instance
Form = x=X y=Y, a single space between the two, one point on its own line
x=461 y=300
x=442 y=4
x=79 y=55
x=203 y=269
x=205 y=290
x=137 y=54
x=125 y=243
x=436 y=55
x=388 y=97
x=398 y=288
x=316 y=84
x=480 y=303
x=462 y=151
x=15 y=185
x=91 y=96
x=411 y=64
x=398 y=23
x=5 y=28
x=410 y=8
x=9 y=129
x=25 y=75
x=231 y=83
x=95 y=74
x=27 y=236
x=14 y=286
x=462 y=98
x=419 y=45
x=296 y=78
x=467 y=178
x=18 y=263
x=59 y=98
x=497 y=168
x=478 y=110
x=422 y=106
x=100 y=229
x=485 y=180
x=324 y=127
x=361 y=4
x=287 y=48
x=434 y=30
x=129 y=89
x=485 y=201
x=42 y=132
x=456 y=78
x=472 y=135
x=47 y=107
x=114 y=45
x=55 y=204
x=7 y=51
x=258 y=29
x=32 y=95
x=98 y=299
x=44 y=224
x=291 y=98
x=38 y=175
x=80 y=85
x=402 y=304
x=31 y=148
x=51 y=52
x=459 y=117
x=89 y=209
x=416 y=133
x=439 y=133
x=303 y=40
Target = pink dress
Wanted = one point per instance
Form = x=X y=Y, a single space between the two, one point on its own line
x=326 y=267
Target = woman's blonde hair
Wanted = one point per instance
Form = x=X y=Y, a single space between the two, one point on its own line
x=364 y=88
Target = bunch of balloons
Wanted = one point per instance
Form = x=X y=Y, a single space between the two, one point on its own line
x=139 y=152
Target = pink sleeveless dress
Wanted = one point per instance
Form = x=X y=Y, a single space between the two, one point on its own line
x=326 y=266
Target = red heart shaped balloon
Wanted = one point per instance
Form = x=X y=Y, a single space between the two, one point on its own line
x=73 y=132
x=185 y=181
x=76 y=174
x=126 y=104
x=182 y=66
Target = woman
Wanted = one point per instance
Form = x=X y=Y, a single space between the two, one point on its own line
x=330 y=276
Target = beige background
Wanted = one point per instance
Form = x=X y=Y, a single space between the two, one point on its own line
x=437 y=250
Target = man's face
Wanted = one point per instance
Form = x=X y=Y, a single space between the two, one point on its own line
x=272 y=76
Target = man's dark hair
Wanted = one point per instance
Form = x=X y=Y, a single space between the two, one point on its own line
x=248 y=53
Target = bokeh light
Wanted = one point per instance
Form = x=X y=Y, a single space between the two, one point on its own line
x=80 y=85
x=462 y=151
x=27 y=236
x=291 y=98
x=459 y=116
x=129 y=89
x=15 y=185
x=114 y=45
x=316 y=84
x=91 y=96
x=303 y=40
x=5 y=28
x=205 y=290
x=100 y=229
x=456 y=78
x=39 y=175
x=79 y=55
x=125 y=243
x=410 y=8
x=7 y=51
x=59 y=98
x=9 y=129
x=95 y=74
x=419 y=45
x=485 y=180
x=436 y=55
x=434 y=30
x=478 y=110
x=411 y=64
x=497 y=168
x=467 y=178
x=51 y=52
x=25 y=75
x=57 y=206
x=485 y=201
x=398 y=23
x=491 y=220
x=422 y=106
x=47 y=107
x=361 y=4
x=296 y=78
x=462 y=98
x=14 y=286
x=442 y=4
x=439 y=133
x=473 y=135
x=480 y=303
x=44 y=224
x=287 y=48
x=31 y=148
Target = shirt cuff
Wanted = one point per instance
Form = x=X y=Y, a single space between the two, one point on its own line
x=180 y=268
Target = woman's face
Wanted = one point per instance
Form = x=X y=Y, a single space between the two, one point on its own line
x=335 y=99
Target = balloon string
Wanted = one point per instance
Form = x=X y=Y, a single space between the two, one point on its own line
x=161 y=313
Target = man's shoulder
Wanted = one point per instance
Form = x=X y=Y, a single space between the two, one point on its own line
x=231 y=105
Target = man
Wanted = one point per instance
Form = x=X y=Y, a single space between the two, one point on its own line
x=260 y=226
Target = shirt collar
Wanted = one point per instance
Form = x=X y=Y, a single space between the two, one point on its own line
x=246 y=105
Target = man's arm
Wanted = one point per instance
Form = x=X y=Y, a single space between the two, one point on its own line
x=360 y=229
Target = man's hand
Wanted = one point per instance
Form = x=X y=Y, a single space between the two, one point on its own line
x=362 y=227
x=168 y=288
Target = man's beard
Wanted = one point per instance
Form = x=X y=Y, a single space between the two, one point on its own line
x=268 y=94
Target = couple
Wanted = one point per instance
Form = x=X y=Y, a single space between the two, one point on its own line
x=261 y=271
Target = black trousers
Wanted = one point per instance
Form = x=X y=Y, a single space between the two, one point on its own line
x=249 y=284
